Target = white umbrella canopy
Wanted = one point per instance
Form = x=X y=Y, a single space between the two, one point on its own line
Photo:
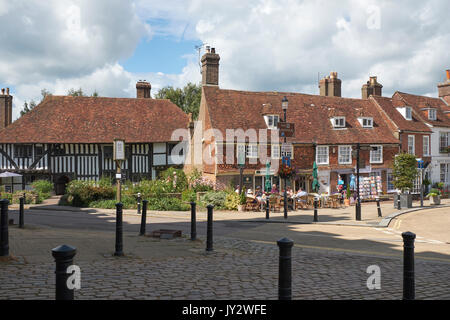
x=9 y=174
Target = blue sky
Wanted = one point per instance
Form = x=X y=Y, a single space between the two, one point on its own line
x=264 y=45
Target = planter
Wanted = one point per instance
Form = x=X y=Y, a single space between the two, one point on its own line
x=435 y=200
x=405 y=200
x=240 y=207
x=347 y=202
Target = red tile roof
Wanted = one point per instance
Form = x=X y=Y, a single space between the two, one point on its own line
x=420 y=104
x=230 y=109
x=66 y=119
x=389 y=107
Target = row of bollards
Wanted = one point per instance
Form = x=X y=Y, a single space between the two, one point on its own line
x=4 y=234
x=285 y=267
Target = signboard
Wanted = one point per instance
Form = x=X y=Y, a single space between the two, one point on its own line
x=287 y=161
x=241 y=156
x=286 y=129
x=119 y=150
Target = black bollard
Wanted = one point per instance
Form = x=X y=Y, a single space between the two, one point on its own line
x=4 y=234
x=119 y=240
x=378 y=207
x=316 y=217
x=64 y=258
x=193 y=221
x=285 y=269
x=143 y=217
x=408 y=266
x=22 y=202
x=398 y=202
x=139 y=203
x=209 y=231
x=267 y=208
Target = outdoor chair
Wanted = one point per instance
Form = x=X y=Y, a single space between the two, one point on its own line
x=302 y=202
x=274 y=203
x=252 y=205
x=334 y=201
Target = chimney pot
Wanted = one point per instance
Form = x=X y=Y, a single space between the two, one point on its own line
x=213 y=50
x=7 y=91
x=448 y=74
x=3 y=90
x=208 y=49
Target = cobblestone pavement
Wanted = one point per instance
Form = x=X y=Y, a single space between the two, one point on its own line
x=236 y=269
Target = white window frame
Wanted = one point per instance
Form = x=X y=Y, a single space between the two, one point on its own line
x=327 y=155
x=240 y=148
x=272 y=116
x=391 y=174
x=432 y=114
x=445 y=135
x=251 y=151
x=426 y=151
x=349 y=154
x=410 y=113
x=277 y=154
x=289 y=153
x=335 y=120
x=413 y=146
x=368 y=120
x=380 y=148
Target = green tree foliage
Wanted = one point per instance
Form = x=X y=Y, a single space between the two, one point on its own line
x=188 y=98
x=405 y=171
x=27 y=107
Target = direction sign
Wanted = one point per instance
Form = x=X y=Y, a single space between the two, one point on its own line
x=286 y=129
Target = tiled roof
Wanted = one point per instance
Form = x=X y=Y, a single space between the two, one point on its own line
x=230 y=109
x=66 y=119
x=421 y=104
x=389 y=107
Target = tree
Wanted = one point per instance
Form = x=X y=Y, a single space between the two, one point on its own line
x=28 y=107
x=75 y=93
x=405 y=171
x=188 y=98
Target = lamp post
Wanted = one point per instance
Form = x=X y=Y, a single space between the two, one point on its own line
x=358 y=199
x=284 y=106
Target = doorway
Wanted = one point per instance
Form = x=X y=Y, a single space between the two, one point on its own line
x=61 y=184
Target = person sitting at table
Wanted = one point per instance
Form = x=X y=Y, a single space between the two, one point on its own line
x=300 y=193
x=237 y=189
x=274 y=189
x=289 y=192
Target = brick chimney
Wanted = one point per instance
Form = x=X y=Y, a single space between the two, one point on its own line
x=372 y=87
x=143 y=89
x=444 y=87
x=210 y=67
x=330 y=86
x=5 y=108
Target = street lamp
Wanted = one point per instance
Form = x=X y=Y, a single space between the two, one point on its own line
x=284 y=106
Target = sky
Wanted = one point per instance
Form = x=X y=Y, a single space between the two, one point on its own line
x=264 y=45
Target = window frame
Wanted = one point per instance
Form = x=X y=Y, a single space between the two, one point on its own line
x=434 y=112
x=327 y=148
x=272 y=116
x=250 y=147
x=366 y=119
x=349 y=154
x=380 y=149
x=276 y=147
x=23 y=151
x=427 y=153
x=406 y=113
x=413 y=144
x=284 y=154
x=334 y=122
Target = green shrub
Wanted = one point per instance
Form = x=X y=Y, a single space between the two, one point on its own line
x=167 y=204
x=42 y=186
x=82 y=193
x=216 y=198
x=7 y=195
x=188 y=196
x=232 y=201
x=175 y=180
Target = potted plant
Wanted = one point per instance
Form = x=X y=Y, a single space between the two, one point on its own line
x=435 y=196
x=242 y=201
x=426 y=183
x=404 y=172
x=347 y=197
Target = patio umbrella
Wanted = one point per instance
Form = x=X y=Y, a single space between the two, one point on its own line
x=268 y=184
x=315 y=184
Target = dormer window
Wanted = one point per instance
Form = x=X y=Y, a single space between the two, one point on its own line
x=432 y=114
x=366 y=122
x=408 y=113
x=272 y=121
x=338 y=122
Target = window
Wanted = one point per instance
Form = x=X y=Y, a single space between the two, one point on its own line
x=338 y=122
x=108 y=152
x=180 y=151
x=408 y=114
x=59 y=150
x=432 y=114
x=390 y=181
x=23 y=151
x=286 y=151
x=376 y=154
x=411 y=149
x=444 y=172
x=322 y=155
x=443 y=142
x=275 y=151
x=38 y=151
x=240 y=153
x=366 y=122
x=426 y=145
x=345 y=154
x=252 y=151
x=272 y=121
